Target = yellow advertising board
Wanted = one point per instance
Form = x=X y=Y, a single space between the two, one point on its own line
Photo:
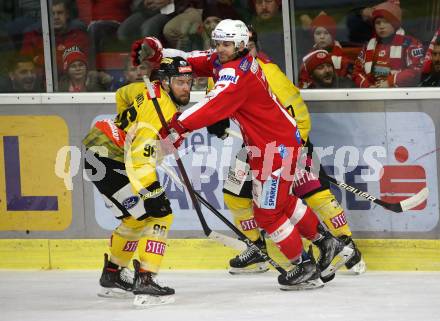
x=32 y=197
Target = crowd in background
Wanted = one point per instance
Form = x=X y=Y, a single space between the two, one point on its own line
x=369 y=46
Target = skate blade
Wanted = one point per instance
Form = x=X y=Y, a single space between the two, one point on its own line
x=146 y=301
x=338 y=261
x=115 y=293
x=307 y=285
x=359 y=268
x=251 y=269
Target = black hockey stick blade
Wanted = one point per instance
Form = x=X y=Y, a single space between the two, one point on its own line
x=402 y=206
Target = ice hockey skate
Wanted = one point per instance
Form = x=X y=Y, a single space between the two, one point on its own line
x=116 y=282
x=356 y=265
x=304 y=276
x=249 y=262
x=333 y=254
x=147 y=291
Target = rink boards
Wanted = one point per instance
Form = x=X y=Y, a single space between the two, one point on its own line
x=203 y=254
x=52 y=218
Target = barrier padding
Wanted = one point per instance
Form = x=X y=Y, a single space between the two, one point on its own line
x=193 y=254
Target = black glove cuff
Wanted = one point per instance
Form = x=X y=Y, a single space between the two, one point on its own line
x=219 y=128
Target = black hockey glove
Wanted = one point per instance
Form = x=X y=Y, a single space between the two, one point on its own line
x=156 y=202
x=219 y=128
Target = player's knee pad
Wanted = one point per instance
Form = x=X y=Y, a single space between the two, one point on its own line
x=330 y=211
x=153 y=243
x=243 y=214
x=125 y=240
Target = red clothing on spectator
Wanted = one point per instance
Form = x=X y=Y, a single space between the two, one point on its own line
x=428 y=57
x=398 y=61
x=33 y=45
x=341 y=64
x=93 y=10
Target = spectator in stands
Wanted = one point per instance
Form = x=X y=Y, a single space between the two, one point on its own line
x=322 y=73
x=268 y=23
x=359 y=22
x=103 y=18
x=179 y=29
x=22 y=76
x=67 y=34
x=431 y=76
x=323 y=29
x=212 y=14
x=77 y=78
x=391 y=58
x=23 y=16
x=428 y=57
x=135 y=74
x=147 y=19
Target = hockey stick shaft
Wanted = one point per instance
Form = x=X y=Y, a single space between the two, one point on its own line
x=182 y=170
x=191 y=191
x=218 y=237
x=404 y=205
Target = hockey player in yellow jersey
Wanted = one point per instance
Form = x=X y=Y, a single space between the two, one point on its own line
x=238 y=188
x=121 y=158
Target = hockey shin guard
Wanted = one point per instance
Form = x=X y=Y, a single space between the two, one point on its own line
x=281 y=231
x=242 y=211
x=325 y=205
x=124 y=241
x=308 y=225
x=152 y=245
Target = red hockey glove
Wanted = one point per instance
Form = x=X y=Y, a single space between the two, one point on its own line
x=175 y=136
x=146 y=49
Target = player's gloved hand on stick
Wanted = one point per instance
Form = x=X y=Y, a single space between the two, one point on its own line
x=219 y=128
x=155 y=200
x=174 y=138
x=148 y=49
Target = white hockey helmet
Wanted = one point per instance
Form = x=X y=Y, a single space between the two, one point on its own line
x=231 y=30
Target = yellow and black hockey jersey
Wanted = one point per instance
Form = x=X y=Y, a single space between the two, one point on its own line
x=132 y=137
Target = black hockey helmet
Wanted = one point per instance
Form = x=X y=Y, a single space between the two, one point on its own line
x=173 y=67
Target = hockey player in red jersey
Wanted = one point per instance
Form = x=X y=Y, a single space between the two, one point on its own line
x=242 y=93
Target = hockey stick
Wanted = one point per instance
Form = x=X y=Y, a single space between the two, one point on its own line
x=402 y=206
x=192 y=193
x=220 y=238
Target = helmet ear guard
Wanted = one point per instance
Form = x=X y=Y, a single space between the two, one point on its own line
x=231 y=30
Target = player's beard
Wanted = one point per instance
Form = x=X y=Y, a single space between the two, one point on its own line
x=183 y=99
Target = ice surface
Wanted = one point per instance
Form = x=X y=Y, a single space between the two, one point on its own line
x=215 y=295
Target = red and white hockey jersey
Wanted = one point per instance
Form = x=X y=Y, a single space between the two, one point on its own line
x=242 y=93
